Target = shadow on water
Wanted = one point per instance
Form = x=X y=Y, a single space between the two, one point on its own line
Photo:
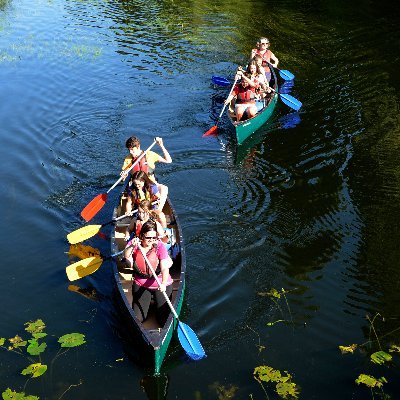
x=155 y=386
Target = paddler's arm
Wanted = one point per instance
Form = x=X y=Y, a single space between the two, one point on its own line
x=165 y=265
x=274 y=60
x=167 y=158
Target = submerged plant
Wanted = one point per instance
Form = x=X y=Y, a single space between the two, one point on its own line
x=34 y=346
x=276 y=295
x=285 y=387
x=378 y=357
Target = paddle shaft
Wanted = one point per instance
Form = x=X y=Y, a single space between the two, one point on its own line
x=130 y=168
x=158 y=282
x=165 y=296
x=233 y=86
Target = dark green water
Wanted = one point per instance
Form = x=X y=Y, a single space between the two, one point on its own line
x=313 y=209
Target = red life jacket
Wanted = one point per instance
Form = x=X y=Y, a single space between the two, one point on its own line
x=266 y=57
x=140 y=265
x=141 y=165
x=244 y=95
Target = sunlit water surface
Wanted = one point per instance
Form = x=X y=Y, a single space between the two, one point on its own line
x=309 y=204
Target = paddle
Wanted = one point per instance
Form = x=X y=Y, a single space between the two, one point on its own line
x=285 y=74
x=89 y=231
x=87 y=266
x=98 y=202
x=187 y=338
x=289 y=100
x=213 y=130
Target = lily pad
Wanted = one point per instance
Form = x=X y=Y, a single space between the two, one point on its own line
x=72 y=340
x=287 y=390
x=16 y=342
x=267 y=374
x=35 y=326
x=34 y=348
x=35 y=370
x=380 y=357
x=348 y=349
x=9 y=394
x=370 y=381
x=394 y=349
x=2 y=341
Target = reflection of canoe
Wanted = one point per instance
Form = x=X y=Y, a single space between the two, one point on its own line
x=246 y=128
x=151 y=340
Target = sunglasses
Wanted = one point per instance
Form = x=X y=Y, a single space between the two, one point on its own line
x=150 y=237
x=264 y=43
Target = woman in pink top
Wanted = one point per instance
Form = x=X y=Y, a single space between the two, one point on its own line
x=144 y=284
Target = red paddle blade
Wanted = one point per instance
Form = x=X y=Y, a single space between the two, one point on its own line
x=211 y=132
x=94 y=207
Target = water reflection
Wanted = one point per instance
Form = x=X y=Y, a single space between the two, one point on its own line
x=155 y=386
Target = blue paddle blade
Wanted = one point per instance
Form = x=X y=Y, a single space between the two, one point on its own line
x=190 y=342
x=290 y=101
x=286 y=75
x=218 y=80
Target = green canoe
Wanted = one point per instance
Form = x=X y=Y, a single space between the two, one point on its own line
x=149 y=340
x=246 y=128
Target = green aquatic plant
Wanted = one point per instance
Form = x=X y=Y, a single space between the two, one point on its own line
x=35 y=346
x=276 y=296
x=379 y=357
x=9 y=394
x=224 y=392
x=285 y=387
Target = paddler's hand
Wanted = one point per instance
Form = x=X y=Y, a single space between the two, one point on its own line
x=159 y=141
x=162 y=287
x=124 y=174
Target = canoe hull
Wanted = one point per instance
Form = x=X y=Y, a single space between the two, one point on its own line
x=150 y=341
x=246 y=128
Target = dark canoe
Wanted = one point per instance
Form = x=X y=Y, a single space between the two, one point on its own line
x=150 y=340
x=246 y=128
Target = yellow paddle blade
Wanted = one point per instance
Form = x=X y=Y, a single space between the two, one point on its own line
x=82 y=251
x=83 y=233
x=83 y=268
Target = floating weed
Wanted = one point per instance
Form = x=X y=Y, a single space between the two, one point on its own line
x=285 y=387
x=348 y=349
x=259 y=345
x=394 y=349
x=34 y=347
x=9 y=394
x=35 y=370
x=380 y=357
x=370 y=381
x=276 y=295
x=224 y=392
x=72 y=340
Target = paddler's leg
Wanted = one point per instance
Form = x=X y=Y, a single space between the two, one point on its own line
x=163 y=309
x=141 y=301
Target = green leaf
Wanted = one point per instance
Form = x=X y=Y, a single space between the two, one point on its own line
x=380 y=357
x=34 y=348
x=266 y=374
x=370 y=381
x=9 y=394
x=348 y=349
x=16 y=342
x=35 y=326
x=2 y=341
x=287 y=390
x=39 y=335
x=72 y=340
x=394 y=349
x=35 y=370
